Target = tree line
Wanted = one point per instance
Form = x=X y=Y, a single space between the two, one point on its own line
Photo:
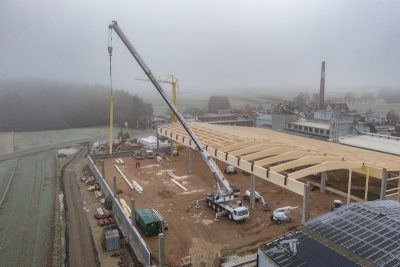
x=32 y=105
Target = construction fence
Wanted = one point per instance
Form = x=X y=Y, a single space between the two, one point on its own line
x=136 y=242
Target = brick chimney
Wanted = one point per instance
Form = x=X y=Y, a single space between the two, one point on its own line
x=322 y=87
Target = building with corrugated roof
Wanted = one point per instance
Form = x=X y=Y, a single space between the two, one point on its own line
x=359 y=234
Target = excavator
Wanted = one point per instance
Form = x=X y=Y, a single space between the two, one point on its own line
x=258 y=197
x=222 y=201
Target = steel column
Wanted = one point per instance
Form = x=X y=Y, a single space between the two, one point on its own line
x=324 y=177
x=115 y=186
x=306 y=197
x=252 y=191
x=190 y=169
x=133 y=209
x=161 y=250
x=384 y=184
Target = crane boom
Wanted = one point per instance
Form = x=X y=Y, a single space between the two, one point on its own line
x=218 y=176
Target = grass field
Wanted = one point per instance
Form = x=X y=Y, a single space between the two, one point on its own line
x=6 y=168
x=27 y=213
x=6 y=143
x=27 y=140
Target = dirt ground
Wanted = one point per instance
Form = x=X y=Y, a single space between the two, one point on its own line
x=81 y=250
x=193 y=235
x=90 y=203
x=85 y=235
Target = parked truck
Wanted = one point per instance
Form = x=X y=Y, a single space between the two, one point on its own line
x=235 y=211
x=137 y=154
x=150 y=154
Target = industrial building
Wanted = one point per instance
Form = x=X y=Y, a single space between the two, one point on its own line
x=359 y=234
x=309 y=127
x=226 y=118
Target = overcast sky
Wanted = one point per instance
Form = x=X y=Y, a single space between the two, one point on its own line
x=210 y=45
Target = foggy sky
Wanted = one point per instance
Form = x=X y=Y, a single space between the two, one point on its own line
x=210 y=45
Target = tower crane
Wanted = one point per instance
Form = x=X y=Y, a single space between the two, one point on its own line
x=173 y=81
x=221 y=201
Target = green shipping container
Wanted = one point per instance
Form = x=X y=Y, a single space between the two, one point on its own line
x=147 y=222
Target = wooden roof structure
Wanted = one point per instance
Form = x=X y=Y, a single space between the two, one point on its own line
x=281 y=158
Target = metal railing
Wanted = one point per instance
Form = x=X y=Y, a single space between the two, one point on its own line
x=382 y=136
x=136 y=242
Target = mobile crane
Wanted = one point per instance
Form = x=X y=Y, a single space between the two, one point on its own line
x=222 y=200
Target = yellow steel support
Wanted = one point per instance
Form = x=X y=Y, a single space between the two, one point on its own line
x=349 y=187
x=398 y=196
x=366 y=186
x=110 y=138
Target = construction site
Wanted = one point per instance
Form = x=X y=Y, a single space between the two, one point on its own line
x=198 y=235
x=200 y=194
x=206 y=134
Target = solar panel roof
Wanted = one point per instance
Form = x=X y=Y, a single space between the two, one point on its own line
x=369 y=229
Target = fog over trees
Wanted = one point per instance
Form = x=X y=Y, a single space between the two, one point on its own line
x=31 y=105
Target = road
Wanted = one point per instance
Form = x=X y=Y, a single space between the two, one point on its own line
x=81 y=249
x=44 y=148
x=27 y=213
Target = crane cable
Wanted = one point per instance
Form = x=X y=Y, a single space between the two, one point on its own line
x=110 y=49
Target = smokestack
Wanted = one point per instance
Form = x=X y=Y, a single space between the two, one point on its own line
x=322 y=87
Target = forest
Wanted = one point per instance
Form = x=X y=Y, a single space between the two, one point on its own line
x=32 y=105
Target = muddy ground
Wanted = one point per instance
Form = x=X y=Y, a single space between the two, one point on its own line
x=193 y=235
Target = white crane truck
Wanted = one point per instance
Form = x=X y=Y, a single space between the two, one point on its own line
x=224 y=199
